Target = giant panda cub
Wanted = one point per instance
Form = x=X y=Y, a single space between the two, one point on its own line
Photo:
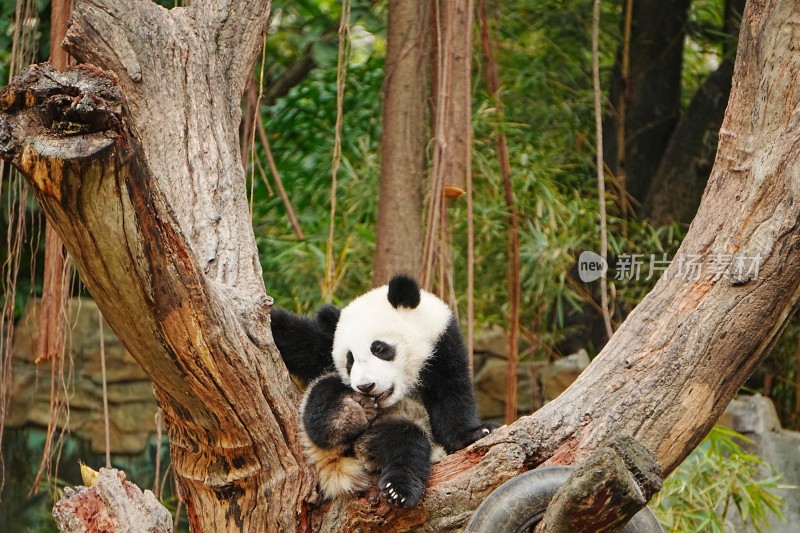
x=389 y=382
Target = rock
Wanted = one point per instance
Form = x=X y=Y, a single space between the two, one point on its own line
x=537 y=382
x=560 y=374
x=490 y=389
x=752 y=414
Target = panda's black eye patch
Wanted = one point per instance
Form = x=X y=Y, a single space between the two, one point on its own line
x=349 y=362
x=382 y=350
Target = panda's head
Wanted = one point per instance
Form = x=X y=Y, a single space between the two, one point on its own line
x=384 y=338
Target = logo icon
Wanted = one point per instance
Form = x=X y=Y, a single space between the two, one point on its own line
x=591 y=267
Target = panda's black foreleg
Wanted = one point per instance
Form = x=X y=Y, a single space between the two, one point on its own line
x=447 y=393
x=334 y=415
x=305 y=342
x=402 y=452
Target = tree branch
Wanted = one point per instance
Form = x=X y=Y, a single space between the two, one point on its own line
x=291 y=77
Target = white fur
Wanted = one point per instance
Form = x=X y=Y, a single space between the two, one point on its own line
x=413 y=333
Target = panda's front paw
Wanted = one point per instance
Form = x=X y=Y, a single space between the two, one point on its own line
x=402 y=489
x=474 y=434
x=368 y=403
x=354 y=416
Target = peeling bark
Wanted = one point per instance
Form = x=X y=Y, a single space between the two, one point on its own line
x=147 y=193
x=111 y=504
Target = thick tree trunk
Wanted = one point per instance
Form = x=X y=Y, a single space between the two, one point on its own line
x=452 y=90
x=681 y=177
x=158 y=229
x=231 y=433
x=159 y=226
x=398 y=247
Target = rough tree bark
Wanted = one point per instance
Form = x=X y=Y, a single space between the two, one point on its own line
x=157 y=223
x=162 y=239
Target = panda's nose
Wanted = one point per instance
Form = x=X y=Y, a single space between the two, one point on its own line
x=366 y=388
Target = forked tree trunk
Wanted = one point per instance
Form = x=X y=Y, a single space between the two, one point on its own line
x=149 y=199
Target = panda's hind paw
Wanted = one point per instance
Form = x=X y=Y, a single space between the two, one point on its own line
x=402 y=489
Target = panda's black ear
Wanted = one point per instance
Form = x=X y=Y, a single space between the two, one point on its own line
x=327 y=318
x=404 y=292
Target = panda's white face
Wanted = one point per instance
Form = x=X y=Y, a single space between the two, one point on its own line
x=380 y=350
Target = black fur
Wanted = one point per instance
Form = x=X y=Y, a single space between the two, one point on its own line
x=447 y=392
x=403 y=452
x=382 y=350
x=305 y=343
x=404 y=292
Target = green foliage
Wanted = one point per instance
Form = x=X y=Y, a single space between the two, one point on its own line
x=33 y=28
x=310 y=26
x=542 y=58
x=545 y=69
x=705 y=45
x=301 y=135
x=717 y=476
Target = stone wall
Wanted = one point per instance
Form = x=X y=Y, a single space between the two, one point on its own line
x=538 y=382
x=132 y=408
x=131 y=403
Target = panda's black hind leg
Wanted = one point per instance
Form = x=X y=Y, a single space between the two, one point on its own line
x=402 y=452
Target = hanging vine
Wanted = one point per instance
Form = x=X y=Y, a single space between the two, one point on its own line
x=331 y=275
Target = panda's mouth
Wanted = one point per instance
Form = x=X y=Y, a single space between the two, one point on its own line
x=385 y=394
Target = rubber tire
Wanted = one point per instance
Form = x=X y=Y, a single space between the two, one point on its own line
x=520 y=502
